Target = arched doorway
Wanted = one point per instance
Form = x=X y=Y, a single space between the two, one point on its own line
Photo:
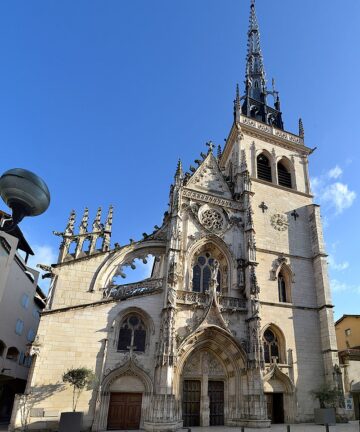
x=126 y=395
x=203 y=390
x=208 y=378
x=124 y=398
x=279 y=392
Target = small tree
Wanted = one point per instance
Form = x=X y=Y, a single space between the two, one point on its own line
x=78 y=378
x=327 y=396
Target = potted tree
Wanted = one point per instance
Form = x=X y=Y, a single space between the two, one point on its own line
x=328 y=397
x=78 y=378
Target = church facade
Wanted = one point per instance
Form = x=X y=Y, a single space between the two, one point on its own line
x=234 y=326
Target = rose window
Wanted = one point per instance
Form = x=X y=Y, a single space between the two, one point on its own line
x=212 y=220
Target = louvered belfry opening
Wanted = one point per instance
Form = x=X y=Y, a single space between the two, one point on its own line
x=284 y=176
x=264 y=168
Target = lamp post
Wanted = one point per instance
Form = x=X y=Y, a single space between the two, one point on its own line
x=25 y=193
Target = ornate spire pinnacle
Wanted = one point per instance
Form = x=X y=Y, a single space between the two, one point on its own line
x=109 y=219
x=219 y=152
x=69 y=230
x=237 y=105
x=96 y=226
x=255 y=103
x=301 y=129
x=255 y=72
x=84 y=221
x=179 y=170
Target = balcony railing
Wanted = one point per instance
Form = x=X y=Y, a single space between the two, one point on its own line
x=120 y=292
x=202 y=299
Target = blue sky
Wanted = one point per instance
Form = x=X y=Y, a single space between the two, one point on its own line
x=101 y=98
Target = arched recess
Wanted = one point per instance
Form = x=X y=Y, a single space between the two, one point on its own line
x=286 y=173
x=262 y=172
x=124 y=257
x=276 y=381
x=228 y=353
x=280 y=339
x=129 y=369
x=285 y=278
x=116 y=324
x=219 y=251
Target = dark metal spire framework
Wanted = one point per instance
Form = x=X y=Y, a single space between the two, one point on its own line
x=255 y=100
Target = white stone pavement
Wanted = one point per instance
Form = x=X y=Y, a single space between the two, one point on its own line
x=303 y=427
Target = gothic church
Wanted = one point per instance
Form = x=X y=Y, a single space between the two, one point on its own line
x=235 y=325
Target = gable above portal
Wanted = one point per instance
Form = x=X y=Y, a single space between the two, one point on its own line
x=209 y=179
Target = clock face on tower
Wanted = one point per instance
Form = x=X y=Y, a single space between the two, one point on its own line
x=279 y=222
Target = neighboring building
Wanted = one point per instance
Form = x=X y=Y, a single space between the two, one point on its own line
x=234 y=326
x=21 y=301
x=347 y=330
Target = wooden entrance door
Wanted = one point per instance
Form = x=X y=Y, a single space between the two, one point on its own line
x=216 y=396
x=275 y=407
x=124 y=411
x=191 y=403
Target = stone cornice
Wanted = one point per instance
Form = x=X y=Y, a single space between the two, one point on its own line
x=256 y=180
x=266 y=133
x=210 y=199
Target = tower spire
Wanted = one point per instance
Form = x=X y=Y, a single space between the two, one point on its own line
x=255 y=72
x=255 y=100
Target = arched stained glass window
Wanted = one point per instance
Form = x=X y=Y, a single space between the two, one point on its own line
x=271 y=346
x=202 y=274
x=132 y=335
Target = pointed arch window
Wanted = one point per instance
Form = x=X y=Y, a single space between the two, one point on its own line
x=132 y=335
x=264 y=168
x=202 y=273
x=271 y=346
x=284 y=175
x=284 y=287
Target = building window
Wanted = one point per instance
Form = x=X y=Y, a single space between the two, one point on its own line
x=282 y=288
x=25 y=300
x=202 y=274
x=2 y=348
x=271 y=347
x=31 y=335
x=19 y=327
x=132 y=335
x=264 y=168
x=36 y=313
x=284 y=175
x=348 y=332
x=12 y=354
x=22 y=359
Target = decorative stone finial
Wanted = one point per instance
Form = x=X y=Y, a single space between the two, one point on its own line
x=96 y=226
x=301 y=129
x=84 y=221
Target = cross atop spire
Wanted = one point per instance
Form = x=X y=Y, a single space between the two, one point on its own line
x=255 y=100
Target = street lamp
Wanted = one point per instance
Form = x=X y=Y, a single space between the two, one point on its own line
x=25 y=193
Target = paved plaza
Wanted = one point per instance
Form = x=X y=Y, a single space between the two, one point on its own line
x=305 y=427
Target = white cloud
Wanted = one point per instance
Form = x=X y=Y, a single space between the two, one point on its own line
x=339 y=287
x=339 y=196
x=333 y=194
x=335 y=172
x=337 y=266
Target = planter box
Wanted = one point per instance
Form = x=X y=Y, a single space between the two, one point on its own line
x=71 y=422
x=325 y=416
